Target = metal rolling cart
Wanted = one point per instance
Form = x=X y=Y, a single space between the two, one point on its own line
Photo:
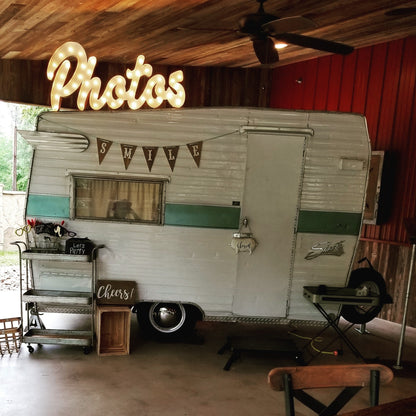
x=36 y=301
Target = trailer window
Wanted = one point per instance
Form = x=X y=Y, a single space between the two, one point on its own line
x=118 y=200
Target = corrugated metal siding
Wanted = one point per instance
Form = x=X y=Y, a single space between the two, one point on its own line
x=221 y=172
x=177 y=263
x=327 y=270
x=326 y=187
x=379 y=82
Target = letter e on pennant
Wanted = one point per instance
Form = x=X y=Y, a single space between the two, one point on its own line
x=127 y=151
x=171 y=153
x=103 y=146
x=150 y=156
x=196 y=150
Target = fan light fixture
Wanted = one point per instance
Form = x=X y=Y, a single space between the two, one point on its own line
x=267 y=32
x=280 y=45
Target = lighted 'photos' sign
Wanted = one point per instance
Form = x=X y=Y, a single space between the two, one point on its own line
x=116 y=91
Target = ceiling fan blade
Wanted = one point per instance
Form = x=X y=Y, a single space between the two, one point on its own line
x=289 y=24
x=265 y=51
x=314 y=43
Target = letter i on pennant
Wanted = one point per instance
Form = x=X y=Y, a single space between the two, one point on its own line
x=196 y=150
x=127 y=151
x=150 y=156
x=103 y=146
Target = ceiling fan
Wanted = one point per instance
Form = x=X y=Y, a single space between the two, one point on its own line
x=263 y=27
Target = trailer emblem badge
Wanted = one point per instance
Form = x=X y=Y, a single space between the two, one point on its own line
x=326 y=249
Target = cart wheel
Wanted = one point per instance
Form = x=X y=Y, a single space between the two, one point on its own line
x=30 y=349
x=87 y=350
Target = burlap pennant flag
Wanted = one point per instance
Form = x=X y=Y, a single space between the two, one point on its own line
x=171 y=153
x=196 y=150
x=149 y=155
x=127 y=151
x=103 y=146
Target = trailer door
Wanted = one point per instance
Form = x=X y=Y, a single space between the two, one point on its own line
x=271 y=198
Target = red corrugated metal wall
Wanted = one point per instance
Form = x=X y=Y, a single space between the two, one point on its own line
x=379 y=82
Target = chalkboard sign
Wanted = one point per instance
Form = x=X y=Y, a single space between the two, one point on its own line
x=79 y=246
x=116 y=292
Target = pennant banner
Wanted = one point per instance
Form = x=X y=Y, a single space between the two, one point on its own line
x=103 y=146
x=127 y=151
x=149 y=152
x=171 y=153
x=150 y=155
x=196 y=149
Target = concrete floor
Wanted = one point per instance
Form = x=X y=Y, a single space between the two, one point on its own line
x=182 y=379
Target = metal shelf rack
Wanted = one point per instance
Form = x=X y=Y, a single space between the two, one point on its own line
x=56 y=301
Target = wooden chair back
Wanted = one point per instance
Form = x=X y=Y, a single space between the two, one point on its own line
x=352 y=377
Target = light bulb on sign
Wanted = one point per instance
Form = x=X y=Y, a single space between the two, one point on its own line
x=115 y=92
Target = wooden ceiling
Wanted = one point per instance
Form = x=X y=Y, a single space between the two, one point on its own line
x=187 y=32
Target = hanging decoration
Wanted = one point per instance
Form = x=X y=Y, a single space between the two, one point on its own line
x=127 y=151
x=171 y=153
x=195 y=149
x=103 y=147
x=150 y=153
x=243 y=241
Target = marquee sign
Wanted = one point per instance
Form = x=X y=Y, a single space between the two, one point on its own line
x=116 y=92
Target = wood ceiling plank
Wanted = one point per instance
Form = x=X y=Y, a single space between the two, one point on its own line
x=119 y=30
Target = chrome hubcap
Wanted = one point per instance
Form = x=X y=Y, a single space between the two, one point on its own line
x=167 y=317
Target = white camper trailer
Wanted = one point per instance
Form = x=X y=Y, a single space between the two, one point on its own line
x=215 y=213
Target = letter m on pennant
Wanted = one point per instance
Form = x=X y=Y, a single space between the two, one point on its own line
x=127 y=151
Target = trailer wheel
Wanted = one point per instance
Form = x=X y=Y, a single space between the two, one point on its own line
x=370 y=283
x=166 y=320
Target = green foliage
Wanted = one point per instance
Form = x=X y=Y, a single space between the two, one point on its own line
x=25 y=118
x=9 y=258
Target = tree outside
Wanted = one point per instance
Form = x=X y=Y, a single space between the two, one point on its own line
x=15 y=117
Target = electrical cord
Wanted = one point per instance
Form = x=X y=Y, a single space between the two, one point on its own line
x=316 y=339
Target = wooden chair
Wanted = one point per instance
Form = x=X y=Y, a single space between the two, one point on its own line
x=353 y=377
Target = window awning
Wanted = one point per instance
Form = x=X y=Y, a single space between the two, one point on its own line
x=63 y=142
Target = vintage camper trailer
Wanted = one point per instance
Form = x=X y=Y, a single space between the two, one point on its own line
x=215 y=213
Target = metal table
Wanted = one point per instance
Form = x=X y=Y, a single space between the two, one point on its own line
x=322 y=295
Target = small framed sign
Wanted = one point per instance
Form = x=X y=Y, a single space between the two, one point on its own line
x=116 y=292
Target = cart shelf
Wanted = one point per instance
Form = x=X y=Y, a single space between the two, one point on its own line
x=57 y=297
x=58 y=336
x=57 y=301
x=53 y=256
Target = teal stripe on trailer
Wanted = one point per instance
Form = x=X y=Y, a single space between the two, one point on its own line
x=202 y=216
x=175 y=214
x=47 y=206
x=320 y=222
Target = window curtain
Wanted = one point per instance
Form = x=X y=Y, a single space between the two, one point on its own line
x=115 y=199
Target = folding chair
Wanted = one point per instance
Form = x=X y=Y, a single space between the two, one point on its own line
x=353 y=377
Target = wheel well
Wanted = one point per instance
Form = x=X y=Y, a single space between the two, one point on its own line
x=192 y=309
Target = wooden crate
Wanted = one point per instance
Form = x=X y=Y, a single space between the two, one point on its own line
x=113 y=330
x=10 y=335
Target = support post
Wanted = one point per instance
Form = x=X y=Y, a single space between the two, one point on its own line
x=398 y=365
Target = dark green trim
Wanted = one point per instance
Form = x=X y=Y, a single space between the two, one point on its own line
x=344 y=223
x=47 y=206
x=202 y=216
